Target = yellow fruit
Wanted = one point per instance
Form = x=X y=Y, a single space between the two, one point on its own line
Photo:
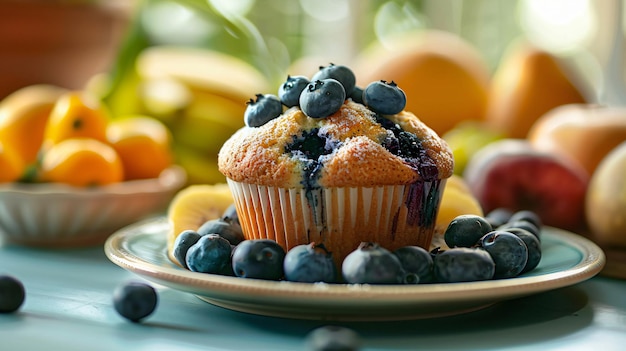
x=193 y=206
x=201 y=167
x=11 y=164
x=605 y=204
x=445 y=79
x=204 y=70
x=23 y=118
x=457 y=200
x=528 y=83
x=76 y=115
x=81 y=162
x=143 y=144
x=466 y=138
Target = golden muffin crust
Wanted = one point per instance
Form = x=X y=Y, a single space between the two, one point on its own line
x=355 y=151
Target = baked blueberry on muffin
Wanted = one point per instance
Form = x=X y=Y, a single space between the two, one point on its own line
x=341 y=166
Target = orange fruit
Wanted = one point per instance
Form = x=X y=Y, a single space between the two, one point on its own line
x=23 y=118
x=81 y=162
x=528 y=83
x=143 y=144
x=445 y=78
x=11 y=165
x=76 y=114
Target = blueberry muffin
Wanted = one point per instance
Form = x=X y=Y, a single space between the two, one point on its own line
x=325 y=161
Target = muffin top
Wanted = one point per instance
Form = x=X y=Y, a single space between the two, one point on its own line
x=350 y=145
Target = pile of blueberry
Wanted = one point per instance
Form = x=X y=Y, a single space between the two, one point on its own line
x=323 y=95
x=503 y=244
x=500 y=245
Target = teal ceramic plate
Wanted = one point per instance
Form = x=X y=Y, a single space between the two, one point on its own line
x=141 y=248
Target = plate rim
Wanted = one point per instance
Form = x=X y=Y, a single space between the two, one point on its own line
x=210 y=285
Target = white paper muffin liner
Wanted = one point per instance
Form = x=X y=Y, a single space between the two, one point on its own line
x=340 y=218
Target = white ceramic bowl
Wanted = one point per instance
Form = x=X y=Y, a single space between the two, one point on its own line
x=58 y=215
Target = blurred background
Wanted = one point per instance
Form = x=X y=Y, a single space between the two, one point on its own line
x=194 y=63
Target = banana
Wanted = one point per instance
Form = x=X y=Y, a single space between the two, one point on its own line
x=193 y=206
x=23 y=118
x=201 y=167
x=203 y=69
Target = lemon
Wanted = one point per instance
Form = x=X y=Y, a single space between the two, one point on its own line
x=193 y=206
x=457 y=200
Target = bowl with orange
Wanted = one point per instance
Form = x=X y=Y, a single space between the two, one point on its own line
x=71 y=175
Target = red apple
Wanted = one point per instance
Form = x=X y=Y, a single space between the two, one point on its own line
x=512 y=174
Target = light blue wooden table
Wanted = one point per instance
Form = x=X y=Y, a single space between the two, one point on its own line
x=68 y=307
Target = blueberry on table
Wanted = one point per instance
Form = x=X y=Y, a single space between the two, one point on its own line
x=183 y=242
x=463 y=264
x=310 y=263
x=466 y=230
x=322 y=98
x=289 y=92
x=416 y=260
x=258 y=258
x=135 y=300
x=384 y=98
x=507 y=250
x=12 y=294
x=211 y=254
x=265 y=108
x=342 y=74
x=370 y=263
x=226 y=227
x=333 y=338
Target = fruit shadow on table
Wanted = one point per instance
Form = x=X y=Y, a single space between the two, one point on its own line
x=530 y=313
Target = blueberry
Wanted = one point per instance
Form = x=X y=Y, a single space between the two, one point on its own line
x=372 y=264
x=226 y=227
x=135 y=300
x=265 y=108
x=342 y=74
x=322 y=98
x=498 y=216
x=508 y=252
x=532 y=244
x=289 y=92
x=310 y=263
x=463 y=264
x=466 y=230
x=231 y=213
x=522 y=224
x=527 y=215
x=384 y=98
x=416 y=260
x=183 y=242
x=12 y=294
x=357 y=95
x=211 y=254
x=258 y=258
x=333 y=338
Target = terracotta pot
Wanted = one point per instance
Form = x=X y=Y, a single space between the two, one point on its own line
x=58 y=42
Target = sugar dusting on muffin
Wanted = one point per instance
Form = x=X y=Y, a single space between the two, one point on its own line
x=351 y=147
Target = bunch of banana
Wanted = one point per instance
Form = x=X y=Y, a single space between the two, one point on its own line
x=199 y=94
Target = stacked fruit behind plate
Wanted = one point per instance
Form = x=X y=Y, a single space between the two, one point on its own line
x=72 y=173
